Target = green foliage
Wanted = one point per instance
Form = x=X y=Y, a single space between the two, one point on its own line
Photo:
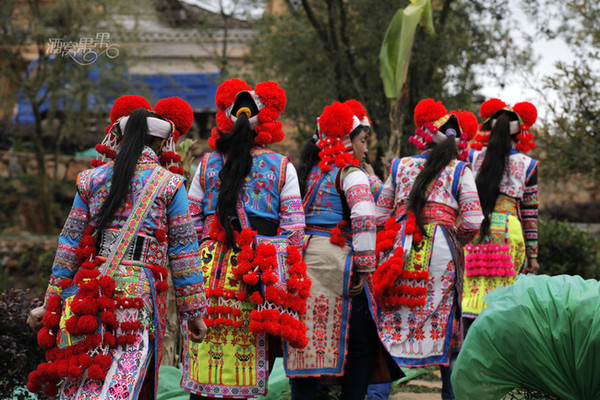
x=572 y=93
x=565 y=249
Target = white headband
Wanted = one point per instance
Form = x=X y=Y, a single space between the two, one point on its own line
x=156 y=127
x=515 y=126
x=356 y=122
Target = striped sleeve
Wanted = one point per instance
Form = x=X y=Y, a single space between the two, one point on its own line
x=362 y=216
x=291 y=213
x=529 y=213
x=470 y=212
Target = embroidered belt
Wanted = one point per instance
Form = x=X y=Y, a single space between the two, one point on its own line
x=142 y=248
x=507 y=204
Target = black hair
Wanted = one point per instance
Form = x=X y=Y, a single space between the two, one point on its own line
x=310 y=157
x=359 y=129
x=132 y=143
x=439 y=157
x=236 y=148
x=492 y=169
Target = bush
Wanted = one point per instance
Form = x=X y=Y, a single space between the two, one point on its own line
x=565 y=249
x=19 y=351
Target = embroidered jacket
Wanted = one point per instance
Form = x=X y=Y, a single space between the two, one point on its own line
x=326 y=209
x=454 y=189
x=519 y=182
x=169 y=213
x=270 y=191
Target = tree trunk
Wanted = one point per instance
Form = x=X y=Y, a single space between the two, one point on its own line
x=45 y=196
x=396 y=122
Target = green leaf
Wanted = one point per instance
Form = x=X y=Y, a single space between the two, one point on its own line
x=394 y=56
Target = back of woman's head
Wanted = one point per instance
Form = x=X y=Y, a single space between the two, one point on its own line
x=133 y=139
x=236 y=149
x=493 y=166
x=439 y=157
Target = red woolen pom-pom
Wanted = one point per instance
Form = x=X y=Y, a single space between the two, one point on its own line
x=125 y=105
x=96 y=372
x=271 y=95
x=162 y=286
x=107 y=285
x=428 y=110
x=103 y=360
x=46 y=339
x=227 y=91
x=176 y=110
x=490 y=107
x=87 y=324
x=51 y=319
x=468 y=122
x=357 y=108
x=250 y=279
x=526 y=111
x=336 y=120
x=256 y=298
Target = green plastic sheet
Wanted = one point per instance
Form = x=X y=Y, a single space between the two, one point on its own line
x=542 y=333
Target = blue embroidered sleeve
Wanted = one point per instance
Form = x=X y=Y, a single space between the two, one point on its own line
x=184 y=258
x=65 y=262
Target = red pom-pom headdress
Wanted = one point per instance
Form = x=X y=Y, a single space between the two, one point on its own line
x=267 y=100
x=334 y=126
x=177 y=112
x=526 y=114
x=431 y=115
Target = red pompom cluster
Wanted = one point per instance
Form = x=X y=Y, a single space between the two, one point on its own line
x=333 y=152
x=336 y=235
x=393 y=285
x=335 y=124
x=428 y=110
x=91 y=306
x=357 y=108
x=273 y=99
x=259 y=265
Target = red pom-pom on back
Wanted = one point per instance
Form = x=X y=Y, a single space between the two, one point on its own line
x=271 y=94
x=357 y=108
x=227 y=91
x=336 y=120
x=468 y=122
x=489 y=107
x=429 y=110
x=526 y=111
x=176 y=110
x=125 y=105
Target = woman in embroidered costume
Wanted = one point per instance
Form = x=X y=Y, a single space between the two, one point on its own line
x=507 y=185
x=105 y=311
x=246 y=205
x=340 y=258
x=434 y=207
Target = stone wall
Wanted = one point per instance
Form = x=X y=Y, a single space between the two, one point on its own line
x=14 y=164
